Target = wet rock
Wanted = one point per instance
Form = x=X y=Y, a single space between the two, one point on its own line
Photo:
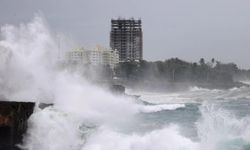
x=13 y=123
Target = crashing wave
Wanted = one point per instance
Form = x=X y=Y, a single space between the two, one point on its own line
x=157 y=108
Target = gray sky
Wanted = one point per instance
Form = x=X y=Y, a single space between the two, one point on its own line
x=188 y=29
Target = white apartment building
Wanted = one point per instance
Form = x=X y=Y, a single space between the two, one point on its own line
x=77 y=56
x=96 y=56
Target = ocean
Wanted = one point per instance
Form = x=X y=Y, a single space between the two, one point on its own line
x=196 y=119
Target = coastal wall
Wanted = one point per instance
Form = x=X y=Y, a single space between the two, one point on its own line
x=13 y=123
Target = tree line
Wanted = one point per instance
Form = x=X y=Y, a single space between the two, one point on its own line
x=177 y=70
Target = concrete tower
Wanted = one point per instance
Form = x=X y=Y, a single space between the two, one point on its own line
x=126 y=37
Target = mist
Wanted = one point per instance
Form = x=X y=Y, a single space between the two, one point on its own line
x=86 y=116
x=31 y=71
x=82 y=111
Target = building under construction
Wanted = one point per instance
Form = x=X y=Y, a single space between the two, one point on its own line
x=126 y=37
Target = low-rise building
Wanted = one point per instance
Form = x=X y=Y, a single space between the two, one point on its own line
x=77 y=56
x=97 y=56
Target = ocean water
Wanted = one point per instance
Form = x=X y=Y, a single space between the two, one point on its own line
x=197 y=119
x=213 y=119
x=87 y=117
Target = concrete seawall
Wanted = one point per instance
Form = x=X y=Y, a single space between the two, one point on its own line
x=13 y=123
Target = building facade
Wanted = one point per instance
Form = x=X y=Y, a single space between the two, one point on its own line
x=97 y=56
x=126 y=36
x=77 y=56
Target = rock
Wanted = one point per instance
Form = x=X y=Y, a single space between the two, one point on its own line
x=13 y=123
x=117 y=89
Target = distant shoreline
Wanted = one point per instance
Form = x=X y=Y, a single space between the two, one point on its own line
x=182 y=86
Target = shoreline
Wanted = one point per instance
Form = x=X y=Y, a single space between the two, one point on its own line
x=182 y=86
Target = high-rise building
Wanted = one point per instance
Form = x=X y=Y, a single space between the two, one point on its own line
x=126 y=37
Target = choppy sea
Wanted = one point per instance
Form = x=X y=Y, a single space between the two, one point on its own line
x=196 y=119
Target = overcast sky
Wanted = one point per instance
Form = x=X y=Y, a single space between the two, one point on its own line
x=188 y=29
